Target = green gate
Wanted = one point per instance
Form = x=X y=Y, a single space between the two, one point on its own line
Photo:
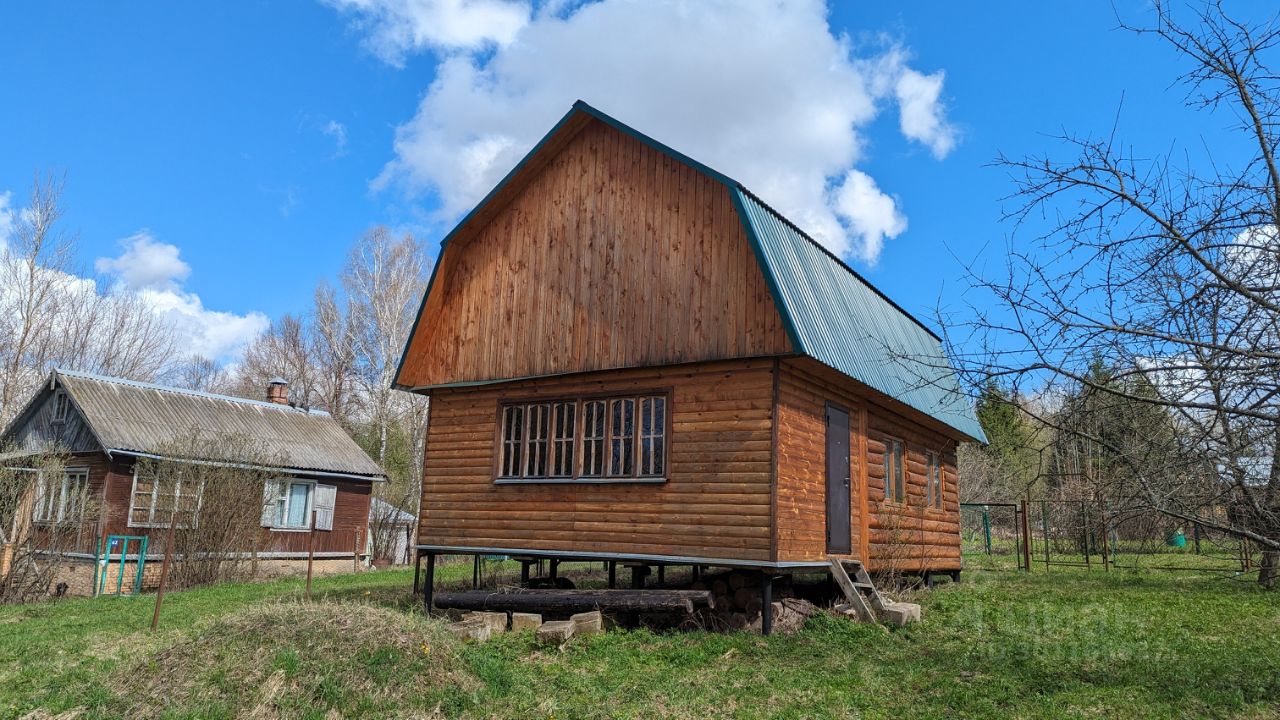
x=115 y=554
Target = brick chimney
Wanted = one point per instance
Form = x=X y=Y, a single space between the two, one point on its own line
x=278 y=391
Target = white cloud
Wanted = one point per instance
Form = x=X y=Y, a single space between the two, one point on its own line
x=870 y=214
x=920 y=112
x=396 y=28
x=211 y=333
x=156 y=271
x=763 y=91
x=338 y=132
x=146 y=263
x=8 y=217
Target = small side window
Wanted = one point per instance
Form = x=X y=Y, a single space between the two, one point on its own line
x=60 y=405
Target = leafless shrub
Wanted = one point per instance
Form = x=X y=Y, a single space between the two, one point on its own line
x=216 y=507
x=45 y=513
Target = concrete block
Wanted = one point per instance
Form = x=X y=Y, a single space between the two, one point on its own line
x=588 y=623
x=470 y=630
x=901 y=613
x=497 y=621
x=525 y=621
x=555 y=632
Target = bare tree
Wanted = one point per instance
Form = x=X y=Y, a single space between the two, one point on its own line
x=50 y=316
x=45 y=513
x=384 y=280
x=32 y=271
x=1167 y=275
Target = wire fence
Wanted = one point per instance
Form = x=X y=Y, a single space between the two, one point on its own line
x=1050 y=533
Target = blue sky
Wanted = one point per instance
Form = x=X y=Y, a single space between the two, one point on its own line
x=260 y=138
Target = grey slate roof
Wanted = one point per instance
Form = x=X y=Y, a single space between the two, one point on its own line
x=139 y=418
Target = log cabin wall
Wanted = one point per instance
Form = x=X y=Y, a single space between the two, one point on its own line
x=716 y=502
x=611 y=255
x=887 y=535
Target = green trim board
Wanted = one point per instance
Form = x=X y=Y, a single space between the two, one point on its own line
x=830 y=312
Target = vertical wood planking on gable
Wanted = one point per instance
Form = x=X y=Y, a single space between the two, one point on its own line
x=613 y=255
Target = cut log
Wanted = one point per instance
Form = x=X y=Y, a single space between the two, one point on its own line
x=574 y=601
x=742 y=597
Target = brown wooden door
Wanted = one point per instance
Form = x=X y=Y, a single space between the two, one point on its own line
x=838 y=530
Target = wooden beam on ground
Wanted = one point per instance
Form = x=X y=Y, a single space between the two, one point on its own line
x=577 y=600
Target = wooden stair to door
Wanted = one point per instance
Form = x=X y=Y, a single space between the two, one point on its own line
x=858 y=590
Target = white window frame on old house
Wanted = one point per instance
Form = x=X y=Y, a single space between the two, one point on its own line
x=61 y=499
x=152 y=521
x=278 y=500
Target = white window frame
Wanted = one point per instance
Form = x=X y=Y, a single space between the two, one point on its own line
x=282 y=511
x=151 y=521
x=38 y=513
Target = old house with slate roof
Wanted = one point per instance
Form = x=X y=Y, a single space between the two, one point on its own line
x=106 y=425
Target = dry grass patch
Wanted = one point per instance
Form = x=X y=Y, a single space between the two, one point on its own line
x=285 y=658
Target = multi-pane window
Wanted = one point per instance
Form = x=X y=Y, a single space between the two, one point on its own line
x=60 y=497
x=290 y=505
x=933 y=480
x=593 y=438
x=160 y=496
x=537 y=418
x=563 y=430
x=611 y=439
x=653 y=431
x=895 y=483
x=512 y=439
x=622 y=436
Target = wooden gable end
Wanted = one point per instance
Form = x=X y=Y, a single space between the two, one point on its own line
x=609 y=254
x=43 y=425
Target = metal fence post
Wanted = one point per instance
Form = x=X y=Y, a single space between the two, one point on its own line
x=986 y=526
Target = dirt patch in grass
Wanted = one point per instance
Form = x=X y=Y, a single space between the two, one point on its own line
x=281 y=659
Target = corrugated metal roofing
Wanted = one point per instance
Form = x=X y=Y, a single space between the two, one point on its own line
x=141 y=418
x=841 y=320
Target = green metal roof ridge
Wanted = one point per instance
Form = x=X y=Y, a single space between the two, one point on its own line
x=871 y=286
x=830 y=320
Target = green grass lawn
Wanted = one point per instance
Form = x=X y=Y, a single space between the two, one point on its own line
x=1000 y=644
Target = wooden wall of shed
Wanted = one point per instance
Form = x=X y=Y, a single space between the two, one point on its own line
x=888 y=536
x=612 y=255
x=716 y=503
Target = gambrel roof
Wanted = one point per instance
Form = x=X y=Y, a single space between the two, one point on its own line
x=831 y=313
x=140 y=419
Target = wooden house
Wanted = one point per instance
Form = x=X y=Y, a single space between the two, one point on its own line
x=105 y=426
x=632 y=358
